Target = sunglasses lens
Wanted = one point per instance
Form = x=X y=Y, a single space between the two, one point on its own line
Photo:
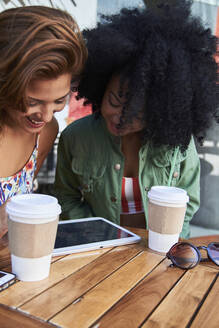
x=184 y=255
x=213 y=251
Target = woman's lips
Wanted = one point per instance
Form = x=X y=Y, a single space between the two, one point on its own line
x=113 y=128
x=34 y=124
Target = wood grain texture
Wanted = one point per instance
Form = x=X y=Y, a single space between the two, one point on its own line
x=67 y=291
x=131 y=311
x=204 y=240
x=182 y=301
x=208 y=315
x=5 y=259
x=13 y=319
x=102 y=297
x=120 y=287
x=21 y=292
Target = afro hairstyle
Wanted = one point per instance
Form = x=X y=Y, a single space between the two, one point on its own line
x=167 y=58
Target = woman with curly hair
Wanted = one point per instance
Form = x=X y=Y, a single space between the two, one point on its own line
x=41 y=51
x=151 y=78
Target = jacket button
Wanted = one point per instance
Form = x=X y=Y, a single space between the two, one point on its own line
x=113 y=199
x=117 y=167
x=147 y=188
x=175 y=174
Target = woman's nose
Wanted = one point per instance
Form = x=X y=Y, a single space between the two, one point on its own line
x=47 y=113
x=116 y=119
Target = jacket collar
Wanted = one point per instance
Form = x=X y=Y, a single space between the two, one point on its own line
x=162 y=156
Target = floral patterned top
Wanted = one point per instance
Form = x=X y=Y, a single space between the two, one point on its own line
x=21 y=182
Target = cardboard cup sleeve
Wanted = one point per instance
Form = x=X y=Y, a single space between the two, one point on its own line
x=164 y=219
x=40 y=238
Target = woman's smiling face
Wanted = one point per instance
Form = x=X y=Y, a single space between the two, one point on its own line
x=111 y=110
x=44 y=98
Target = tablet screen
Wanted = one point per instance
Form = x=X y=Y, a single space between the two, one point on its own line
x=90 y=234
x=87 y=232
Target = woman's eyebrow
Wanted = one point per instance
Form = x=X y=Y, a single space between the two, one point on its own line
x=36 y=99
x=64 y=95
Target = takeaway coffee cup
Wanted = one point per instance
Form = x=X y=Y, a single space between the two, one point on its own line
x=32 y=228
x=166 y=212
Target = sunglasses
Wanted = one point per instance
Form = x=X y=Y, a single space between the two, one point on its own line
x=186 y=256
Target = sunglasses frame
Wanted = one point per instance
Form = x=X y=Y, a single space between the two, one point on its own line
x=196 y=248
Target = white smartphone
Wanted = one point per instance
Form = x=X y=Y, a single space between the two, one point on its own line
x=6 y=279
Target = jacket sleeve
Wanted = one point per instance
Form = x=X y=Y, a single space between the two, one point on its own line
x=190 y=181
x=67 y=189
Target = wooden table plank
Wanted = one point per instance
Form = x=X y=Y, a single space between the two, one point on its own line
x=208 y=314
x=131 y=311
x=182 y=301
x=14 y=319
x=61 y=295
x=115 y=288
x=204 y=240
x=102 y=297
x=21 y=292
x=5 y=260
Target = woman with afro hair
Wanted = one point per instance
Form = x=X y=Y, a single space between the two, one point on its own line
x=151 y=78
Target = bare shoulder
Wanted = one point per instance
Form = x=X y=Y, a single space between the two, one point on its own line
x=46 y=141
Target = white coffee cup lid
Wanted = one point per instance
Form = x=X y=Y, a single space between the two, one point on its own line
x=168 y=195
x=33 y=206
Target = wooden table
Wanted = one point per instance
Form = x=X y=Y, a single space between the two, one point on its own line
x=127 y=286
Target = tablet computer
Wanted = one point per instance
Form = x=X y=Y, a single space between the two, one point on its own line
x=90 y=233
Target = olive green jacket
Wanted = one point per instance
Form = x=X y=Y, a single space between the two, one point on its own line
x=90 y=169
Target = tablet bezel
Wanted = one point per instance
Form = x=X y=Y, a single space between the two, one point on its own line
x=96 y=245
